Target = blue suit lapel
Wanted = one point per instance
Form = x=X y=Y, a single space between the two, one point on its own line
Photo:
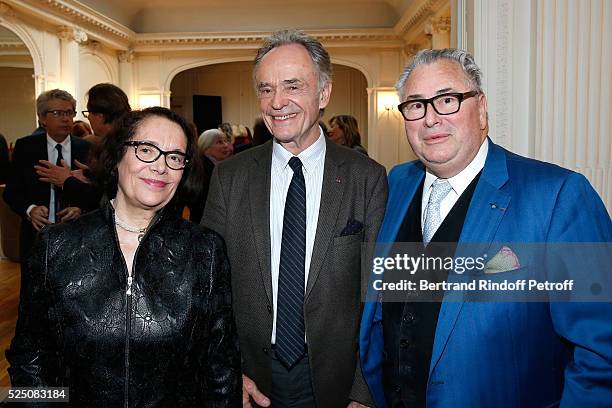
x=487 y=209
x=402 y=192
x=402 y=188
x=403 y=184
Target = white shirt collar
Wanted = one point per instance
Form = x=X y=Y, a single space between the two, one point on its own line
x=309 y=157
x=462 y=180
x=65 y=143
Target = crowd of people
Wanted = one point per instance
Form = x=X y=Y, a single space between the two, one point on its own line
x=258 y=300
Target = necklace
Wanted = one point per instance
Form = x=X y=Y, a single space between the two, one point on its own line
x=128 y=227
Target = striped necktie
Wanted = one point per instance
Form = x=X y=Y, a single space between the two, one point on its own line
x=290 y=301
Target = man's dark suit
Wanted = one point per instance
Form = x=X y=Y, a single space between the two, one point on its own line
x=353 y=197
x=23 y=187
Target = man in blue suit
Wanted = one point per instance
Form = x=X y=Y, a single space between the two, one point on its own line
x=466 y=189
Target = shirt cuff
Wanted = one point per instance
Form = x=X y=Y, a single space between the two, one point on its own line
x=29 y=210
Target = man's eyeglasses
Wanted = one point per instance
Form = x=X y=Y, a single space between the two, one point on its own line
x=444 y=104
x=148 y=153
x=56 y=113
x=86 y=113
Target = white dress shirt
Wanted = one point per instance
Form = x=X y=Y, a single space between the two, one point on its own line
x=458 y=183
x=52 y=157
x=313 y=161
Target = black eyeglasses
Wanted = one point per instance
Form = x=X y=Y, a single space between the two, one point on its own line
x=444 y=104
x=148 y=153
x=56 y=113
x=86 y=113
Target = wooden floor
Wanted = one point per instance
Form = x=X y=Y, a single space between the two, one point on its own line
x=9 y=301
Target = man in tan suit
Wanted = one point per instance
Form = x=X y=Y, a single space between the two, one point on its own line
x=294 y=213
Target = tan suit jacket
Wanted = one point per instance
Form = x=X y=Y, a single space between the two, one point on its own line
x=354 y=192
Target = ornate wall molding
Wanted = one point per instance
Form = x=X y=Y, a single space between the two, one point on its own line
x=71 y=12
x=253 y=40
x=10 y=19
x=12 y=44
x=68 y=33
x=441 y=25
x=416 y=15
x=126 y=56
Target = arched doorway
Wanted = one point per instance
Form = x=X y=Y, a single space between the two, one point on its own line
x=17 y=104
x=233 y=83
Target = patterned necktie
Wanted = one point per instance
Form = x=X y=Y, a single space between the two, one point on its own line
x=56 y=189
x=290 y=302
x=433 y=219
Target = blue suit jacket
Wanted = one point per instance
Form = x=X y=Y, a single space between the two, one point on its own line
x=510 y=354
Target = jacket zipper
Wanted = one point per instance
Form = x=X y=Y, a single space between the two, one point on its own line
x=128 y=296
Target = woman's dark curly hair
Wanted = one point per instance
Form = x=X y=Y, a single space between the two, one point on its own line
x=112 y=152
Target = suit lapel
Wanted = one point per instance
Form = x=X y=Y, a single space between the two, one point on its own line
x=259 y=200
x=76 y=151
x=401 y=195
x=334 y=182
x=42 y=154
x=487 y=209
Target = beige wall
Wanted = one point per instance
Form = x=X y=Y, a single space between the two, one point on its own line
x=96 y=66
x=349 y=97
x=233 y=82
x=17 y=104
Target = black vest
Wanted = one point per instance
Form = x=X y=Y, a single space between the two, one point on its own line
x=409 y=328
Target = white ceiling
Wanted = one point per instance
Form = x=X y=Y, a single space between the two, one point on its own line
x=158 y=16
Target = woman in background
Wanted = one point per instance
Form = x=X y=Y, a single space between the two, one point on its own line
x=343 y=130
x=81 y=129
x=130 y=305
x=213 y=147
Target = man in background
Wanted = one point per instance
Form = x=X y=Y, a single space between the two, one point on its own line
x=106 y=104
x=41 y=203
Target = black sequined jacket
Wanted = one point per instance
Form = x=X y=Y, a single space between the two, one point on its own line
x=170 y=343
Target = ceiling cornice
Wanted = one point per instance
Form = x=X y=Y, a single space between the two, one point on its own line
x=416 y=14
x=71 y=12
x=107 y=31
x=384 y=37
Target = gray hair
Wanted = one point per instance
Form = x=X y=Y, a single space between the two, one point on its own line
x=208 y=137
x=423 y=57
x=318 y=54
x=42 y=102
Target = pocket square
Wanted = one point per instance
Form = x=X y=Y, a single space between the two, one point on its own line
x=503 y=261
x=352 y=227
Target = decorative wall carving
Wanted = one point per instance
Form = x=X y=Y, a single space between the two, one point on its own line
x=253 y=40
x=68 y=33
x=126 y=56
x=74 y=11
x=441 y=25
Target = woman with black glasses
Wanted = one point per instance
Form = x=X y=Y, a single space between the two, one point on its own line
x=130 y=305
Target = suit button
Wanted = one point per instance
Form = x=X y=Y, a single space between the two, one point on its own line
x=404 y=343
x=265 y=350
x=269 y=308
x=408 y=318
